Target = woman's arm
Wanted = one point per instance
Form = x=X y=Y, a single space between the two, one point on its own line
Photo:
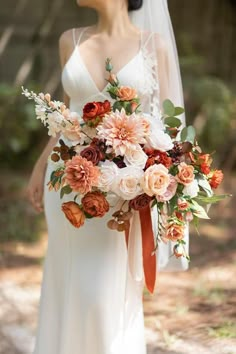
x=36 y=181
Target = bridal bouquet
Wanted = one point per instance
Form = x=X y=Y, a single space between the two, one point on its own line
x=114 y=147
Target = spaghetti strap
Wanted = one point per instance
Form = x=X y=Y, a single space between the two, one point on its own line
x=147 y=39
x=73 y=35
x=80 y=36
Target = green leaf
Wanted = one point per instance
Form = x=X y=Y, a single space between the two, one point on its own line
x=154 y=202
x=198 y=210
x=65 y=190
x=203 y=182
x=173 y=203
x=169 y=108
x=88 y=216
x=179 y=110
x=188 y=134
x=173 y=122
x=212 y=199
x=117 y=105
x=184 y=134
x=196 y=223
x=191 y=134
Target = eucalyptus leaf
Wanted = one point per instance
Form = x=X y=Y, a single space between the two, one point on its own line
x=179 y=110
x=184 y=134
x=191 y=134
x=188 y=134
x=65 y=190
x=169 y=108
x=173 y=122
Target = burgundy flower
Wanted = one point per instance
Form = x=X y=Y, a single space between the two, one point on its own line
x=140 y=202
x=92 y=153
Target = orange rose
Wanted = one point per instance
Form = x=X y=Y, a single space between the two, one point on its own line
x=105 y=107
x=216 y=178
x=185 y=175
x=93 y=110
x=205 y=168
x=73 y=213
x=175 y=232
x=205 y=158
x=95 y=204
x=126 y=93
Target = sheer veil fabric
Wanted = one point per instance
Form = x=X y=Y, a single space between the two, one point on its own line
x=159 y=52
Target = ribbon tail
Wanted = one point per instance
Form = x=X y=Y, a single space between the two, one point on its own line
x=127 y=230
x=149 y=260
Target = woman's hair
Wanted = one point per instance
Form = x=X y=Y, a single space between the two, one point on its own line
x=134 y=4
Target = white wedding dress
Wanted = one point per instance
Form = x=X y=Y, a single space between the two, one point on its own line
x=90 y=302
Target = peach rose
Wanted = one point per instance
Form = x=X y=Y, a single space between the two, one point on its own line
x=175 y=232
x=182 y=204
x=155 y=180
x=186 y=174
x=179 y=251
x=95 y=204
x=126 y=93
x=189 y=216
x=73 y=213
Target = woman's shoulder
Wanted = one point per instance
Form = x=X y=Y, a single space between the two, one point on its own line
x=66 y=37
x=157 y=39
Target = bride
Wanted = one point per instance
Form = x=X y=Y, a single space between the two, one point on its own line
x=91 y=295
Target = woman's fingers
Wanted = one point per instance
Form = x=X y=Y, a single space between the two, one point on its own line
x=35 y=198
x=39 y=199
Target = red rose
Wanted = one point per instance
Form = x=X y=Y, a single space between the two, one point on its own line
x=93 y=112
x=140 y=202
x=90 y=111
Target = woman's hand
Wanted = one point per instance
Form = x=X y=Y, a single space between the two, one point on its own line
x=35 y=187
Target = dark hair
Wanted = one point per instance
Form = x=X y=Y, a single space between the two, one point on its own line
x=134 y=4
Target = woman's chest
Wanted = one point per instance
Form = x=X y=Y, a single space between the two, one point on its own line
x=79 y=83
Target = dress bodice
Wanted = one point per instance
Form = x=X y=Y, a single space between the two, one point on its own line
x=81 y=88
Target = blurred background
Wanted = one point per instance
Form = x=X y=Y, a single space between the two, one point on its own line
x=192 y=312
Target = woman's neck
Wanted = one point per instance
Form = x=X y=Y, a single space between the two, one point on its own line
x=114 y=19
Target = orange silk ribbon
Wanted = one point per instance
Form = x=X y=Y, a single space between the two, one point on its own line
x=149 y=260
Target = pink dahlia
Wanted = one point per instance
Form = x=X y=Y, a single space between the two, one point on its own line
x=81 y=174
x=121 y=132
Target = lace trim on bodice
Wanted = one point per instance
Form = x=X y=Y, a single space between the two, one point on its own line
x=151 y=84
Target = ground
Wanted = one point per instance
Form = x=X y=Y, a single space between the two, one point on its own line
x=191 y=312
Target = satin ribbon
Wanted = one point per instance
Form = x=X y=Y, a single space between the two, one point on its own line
x=148 y=245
